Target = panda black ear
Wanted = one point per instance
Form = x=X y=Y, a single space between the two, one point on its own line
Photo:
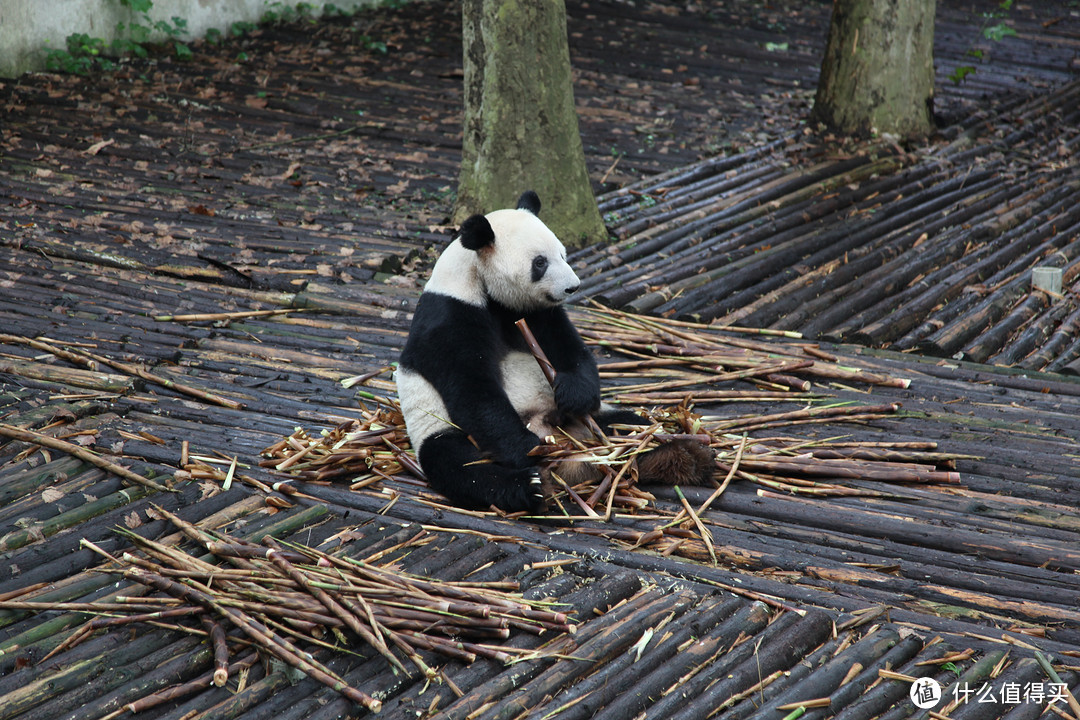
x=476 y=233
x=530 y=201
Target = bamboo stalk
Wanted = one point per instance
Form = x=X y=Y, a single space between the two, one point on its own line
x=221 y=650
x=315 y=593
x=549 y=370
x=103 y=382
x=226 y=316
x=179 y=691
x=81 y=453
x=89 y=359
x=706 y=537
x=371 y=636
x=813 y=413
x=1052 y=674
x=278 y=647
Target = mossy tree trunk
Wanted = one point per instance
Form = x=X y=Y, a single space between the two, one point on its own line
x=878 y=72
x=521 y=127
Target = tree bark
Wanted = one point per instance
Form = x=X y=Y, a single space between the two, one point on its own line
x=521 y=127
x=878 y=72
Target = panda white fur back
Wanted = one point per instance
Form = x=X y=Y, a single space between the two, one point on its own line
x=472 y=394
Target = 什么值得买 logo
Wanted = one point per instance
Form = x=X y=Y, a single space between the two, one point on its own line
x=925 y=693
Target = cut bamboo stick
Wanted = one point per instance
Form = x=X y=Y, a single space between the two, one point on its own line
x=81 y=453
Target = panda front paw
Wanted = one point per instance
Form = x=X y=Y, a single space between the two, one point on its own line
x=576 y=394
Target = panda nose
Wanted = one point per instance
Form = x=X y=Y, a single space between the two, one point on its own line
x=572 y=289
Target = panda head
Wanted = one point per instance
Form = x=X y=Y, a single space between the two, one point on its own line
x=519 y=262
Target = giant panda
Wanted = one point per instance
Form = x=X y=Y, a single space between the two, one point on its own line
x=474 y=399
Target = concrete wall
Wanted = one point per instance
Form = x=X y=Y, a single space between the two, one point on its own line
x=30 y=28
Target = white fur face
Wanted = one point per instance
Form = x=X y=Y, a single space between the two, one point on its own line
x=525 y=269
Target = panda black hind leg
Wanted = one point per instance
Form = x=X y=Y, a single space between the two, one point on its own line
x=455 y=468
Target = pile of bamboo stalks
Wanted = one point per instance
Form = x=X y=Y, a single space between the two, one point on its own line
x=674 y=365
x=785 y=464
x=689 y=358
x=284 y=599
x=682 y=362
x=370 y=448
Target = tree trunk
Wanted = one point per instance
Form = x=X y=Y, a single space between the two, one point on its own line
x=878 y=72
x=521 y=128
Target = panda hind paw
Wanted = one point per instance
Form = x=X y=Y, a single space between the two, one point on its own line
x=520 y=490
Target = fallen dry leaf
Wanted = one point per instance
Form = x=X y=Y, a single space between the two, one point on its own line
x=98 y=146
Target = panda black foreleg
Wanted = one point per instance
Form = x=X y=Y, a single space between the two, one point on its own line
x=458 y=470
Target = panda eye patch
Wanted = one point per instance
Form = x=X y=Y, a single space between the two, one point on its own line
x=539 y=267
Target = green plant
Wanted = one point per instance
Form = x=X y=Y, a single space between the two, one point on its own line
x=84 y=54
x=139 y=34
x=646 y=201
x=241 y=27
x=369 y=43
x=994 y=33
x=279 y=12
x=332 y=10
